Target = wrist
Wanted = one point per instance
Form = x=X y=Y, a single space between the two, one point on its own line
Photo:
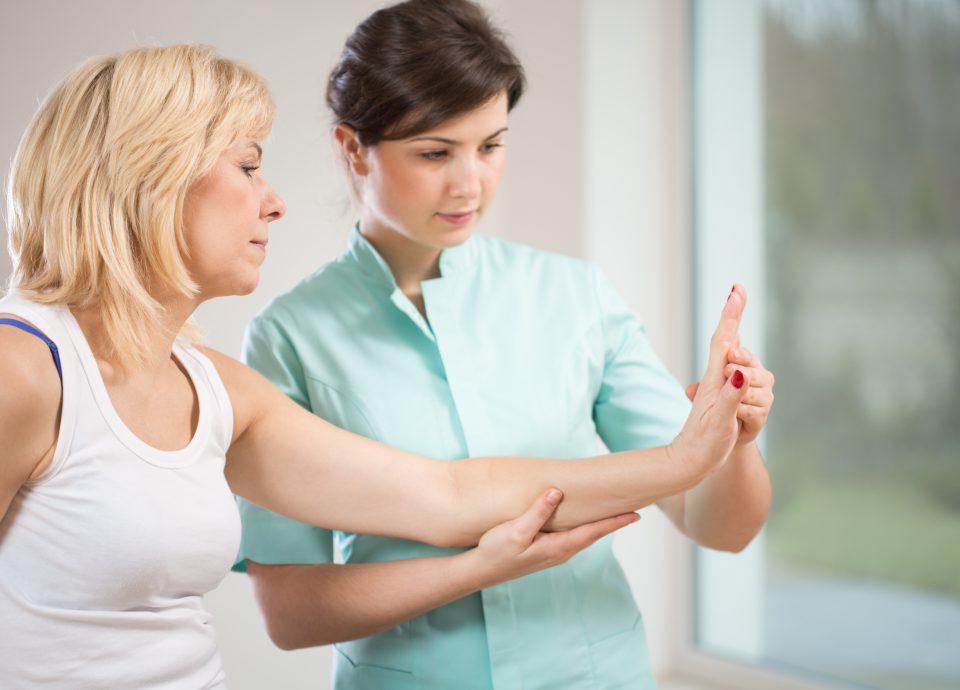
x=692 y=470
x=476 y=569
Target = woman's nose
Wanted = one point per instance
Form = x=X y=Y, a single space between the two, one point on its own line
x=465 y=179
x=273 y=207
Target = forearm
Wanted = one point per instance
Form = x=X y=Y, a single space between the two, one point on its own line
x=299 y=466
x=491 y=490
x=729 y=507
x=307 y=606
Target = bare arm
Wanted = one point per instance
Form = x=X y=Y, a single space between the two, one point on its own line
x=729 y=508
x=29 y=411
x=309 y=605
x=293 y=463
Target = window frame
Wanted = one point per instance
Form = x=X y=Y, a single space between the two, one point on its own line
x=726 y=247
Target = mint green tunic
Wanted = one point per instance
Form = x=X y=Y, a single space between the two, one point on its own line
x=523 y=353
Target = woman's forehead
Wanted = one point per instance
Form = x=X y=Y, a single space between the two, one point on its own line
x=481 y=123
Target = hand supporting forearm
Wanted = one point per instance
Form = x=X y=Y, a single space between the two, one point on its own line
x=310 y=605
x=490 y=490
x=728 y=508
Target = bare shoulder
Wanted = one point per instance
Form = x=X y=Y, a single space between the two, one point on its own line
x=250 y=392
x=227 y=366
x=29 y=400
x=28 y=372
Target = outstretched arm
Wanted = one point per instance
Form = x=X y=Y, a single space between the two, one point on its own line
x=309 y=605
x=293 y=463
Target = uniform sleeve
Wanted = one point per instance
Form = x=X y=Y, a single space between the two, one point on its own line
x=267 y=537
x=639 y=403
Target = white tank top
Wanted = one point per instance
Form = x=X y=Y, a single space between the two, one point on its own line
x=105 y=557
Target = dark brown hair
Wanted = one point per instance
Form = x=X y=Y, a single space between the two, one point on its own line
x=409 y=67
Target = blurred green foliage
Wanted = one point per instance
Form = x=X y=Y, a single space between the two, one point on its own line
x=862 y=147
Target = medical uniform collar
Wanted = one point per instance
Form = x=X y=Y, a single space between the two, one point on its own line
x=369 y=259
x=453 y=260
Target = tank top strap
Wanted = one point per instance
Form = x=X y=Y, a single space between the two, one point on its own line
x=223 y=406
x=46 y=322
x=33 y=331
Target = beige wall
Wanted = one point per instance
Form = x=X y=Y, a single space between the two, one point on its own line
x=596 y=169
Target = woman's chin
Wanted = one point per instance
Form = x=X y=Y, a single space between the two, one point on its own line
x=247 y=284
x=454 y=237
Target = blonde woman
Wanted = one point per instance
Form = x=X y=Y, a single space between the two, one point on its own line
x=135 y=196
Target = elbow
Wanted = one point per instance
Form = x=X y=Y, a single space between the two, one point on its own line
x=736 y=543
x=734 y=547
x=280 y=634
x=288 y=639
x=281 y=623
x=283 y=643
x=725 y=545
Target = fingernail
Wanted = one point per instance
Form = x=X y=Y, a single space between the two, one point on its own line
x=554 y=496
x=737 y=379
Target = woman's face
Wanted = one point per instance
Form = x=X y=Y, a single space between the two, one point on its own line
x=226 y=213
x=434 y=187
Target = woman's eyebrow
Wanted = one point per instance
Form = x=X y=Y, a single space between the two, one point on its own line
x=454 y=142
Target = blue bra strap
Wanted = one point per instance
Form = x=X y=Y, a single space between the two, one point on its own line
x=30 y=329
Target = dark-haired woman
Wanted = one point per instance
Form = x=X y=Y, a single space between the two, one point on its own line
x=425 y=336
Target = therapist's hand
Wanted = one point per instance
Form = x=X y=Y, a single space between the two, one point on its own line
x=518 y=547
x=713 y=427
x=755 y=408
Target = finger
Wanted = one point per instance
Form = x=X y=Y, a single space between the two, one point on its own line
x=581 y=537
x=738 y=355
x=691 y=390
x=531 y=522
x=742 y=355
x=759 y=378
x=732 y=394
x=756 y=376
x=760 y=375
x=725 y=335
x=758 y=397
x=752 y=414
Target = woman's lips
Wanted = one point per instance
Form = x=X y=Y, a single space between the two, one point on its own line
x=457 y=218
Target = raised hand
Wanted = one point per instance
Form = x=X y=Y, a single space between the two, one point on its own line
x=518 y=547
x=755 y=408
x=713 y=427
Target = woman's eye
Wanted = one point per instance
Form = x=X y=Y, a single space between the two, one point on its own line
x=247 y=169
x=489 y=148
x=434 y=155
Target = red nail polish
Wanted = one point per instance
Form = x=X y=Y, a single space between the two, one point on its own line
x=737 y=379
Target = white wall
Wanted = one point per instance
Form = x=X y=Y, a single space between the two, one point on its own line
x=597 y=154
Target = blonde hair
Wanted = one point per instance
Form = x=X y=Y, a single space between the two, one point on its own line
x=97 y=187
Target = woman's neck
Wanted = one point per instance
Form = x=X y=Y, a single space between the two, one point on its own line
x=409 y=261
x=162 y=334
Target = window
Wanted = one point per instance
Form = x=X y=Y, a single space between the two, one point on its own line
x=827 y=180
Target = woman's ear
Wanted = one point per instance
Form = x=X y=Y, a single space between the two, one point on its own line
x=353 y=151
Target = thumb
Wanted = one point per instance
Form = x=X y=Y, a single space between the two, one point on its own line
x=725 y=336
x=692 y=390
x=531 y=522
x=732 y=394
